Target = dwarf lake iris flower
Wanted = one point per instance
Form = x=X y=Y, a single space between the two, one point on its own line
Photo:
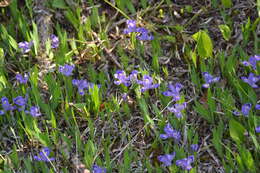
x=133 y=75
x=25 y=46
x=252 y=61
x=54 y=41
x=177 y=108
x=66 y=69
x=34 y=111
x=257 y=106
x=44 y=155
x=170 y=133
x=244 y=110
x=20 y=101
x=143 y=34
x=257 y=129
x=251 y=80
x=147 y=83
x=166 y=159
x=209 y=79
x=194 y=147
x=131 y=26
x=121 y=77
x=174 y=91
x=82 y=85
x=6 y=105
x=97 y=169
x=22 y=79
x=185 y=163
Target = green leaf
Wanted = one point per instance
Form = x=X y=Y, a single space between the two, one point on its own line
x=204 y=44
x=59 y=4
x=226 y=3
x=236 y=131
x=226 y=32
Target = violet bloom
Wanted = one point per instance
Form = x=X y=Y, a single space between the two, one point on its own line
x=166 y=159
x=185 y=163
x=25 y=46
x=257 y=129
x=244 y=110
x=177 y=108
x=54 y=41
x=131 y=26
x=66 y=69
x=34 y=111
x=251 y=80
x=257 y=106
x=170 y=133
x=82 y=85
x=20 y=101
x=252 y=61
x=133 y=75
x=2 y=112
x=147 y=83
x=44 y=155
x=174 y=91
x=6 y=105
x=143 y=34
x=194 y=147
x=209 y=79
x=97 y=169
x=121 y=77
x=22 y=79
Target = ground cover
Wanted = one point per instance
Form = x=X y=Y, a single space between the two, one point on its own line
x=129 y=86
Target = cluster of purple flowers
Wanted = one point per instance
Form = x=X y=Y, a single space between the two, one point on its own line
x=19 y=103
x=174 y=92
x=146 y=83
x=82 y=85
x=166 y=159
x=26 y=46
x=143 y=33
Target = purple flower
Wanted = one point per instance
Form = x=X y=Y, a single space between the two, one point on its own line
x=20 y=101
x=25 y=46
x=133 y=75
x=121 y=77
x=54 y=41
x=6 y=105
x=252 y=61
x=257 y=129
x=257 y=106
x=143 y=34
x=131 y=26
x=82 y=85
x=185 y=163
x=34 y=111
x=22 y=79
x=194 y=147
x=174 y=91
x=244 y=110
x=66 y=69
x=251 y=80
x=170 y=133
x=209 y=79
x=147 y=83
x=44 y=155
x=166 y=159
x=177 y=108
x=97 y=169
x=2 y=112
